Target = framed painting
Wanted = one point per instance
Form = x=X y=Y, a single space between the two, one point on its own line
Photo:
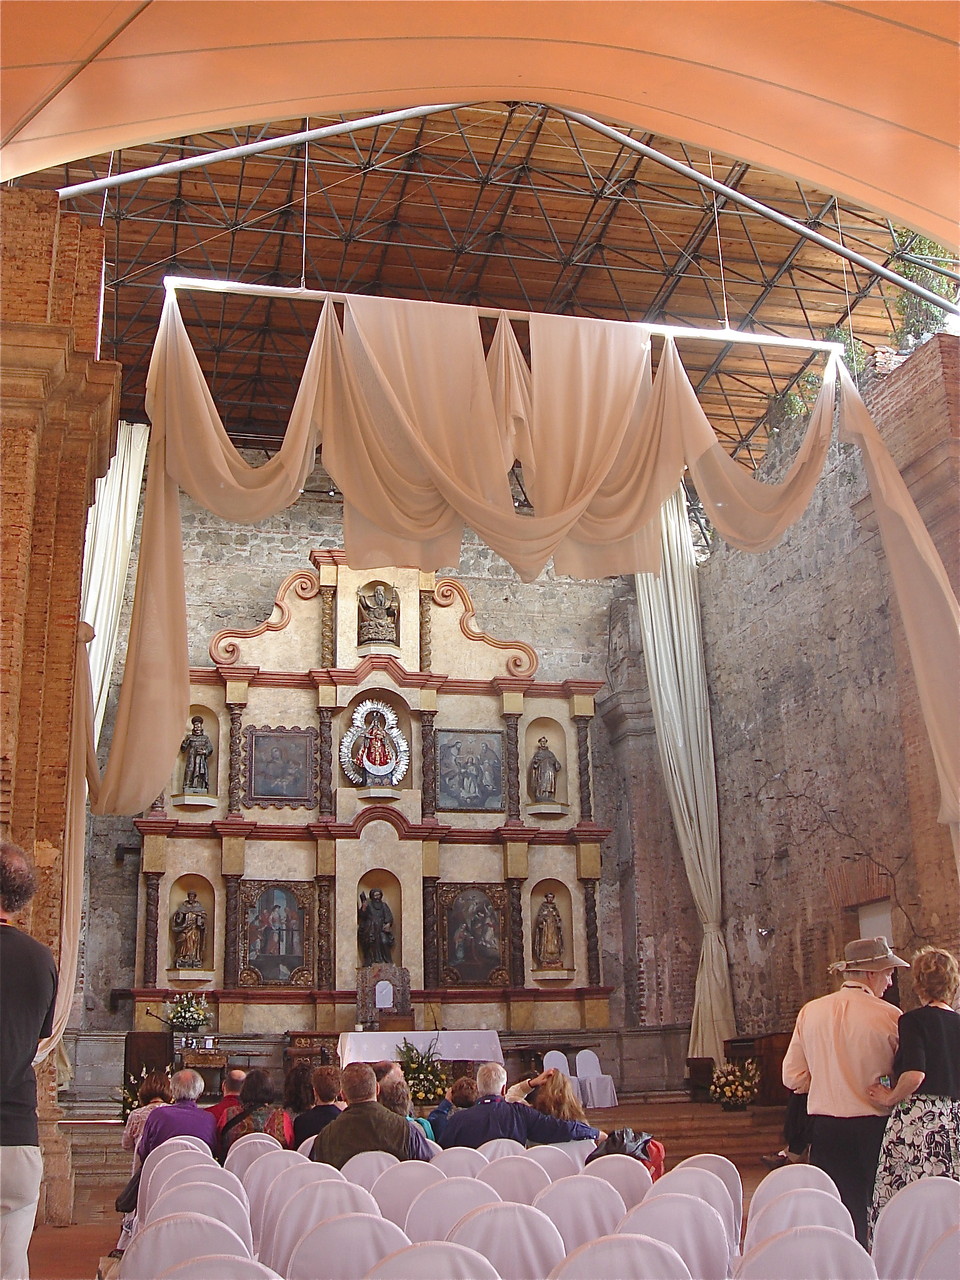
x=470 y=770
x=280 y=770
x=473 y=934
x=277 y=938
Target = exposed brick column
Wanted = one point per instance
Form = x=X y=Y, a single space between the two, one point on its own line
x=231 y=930
x=512 y=753
x=428 y=744
x=515 y=909
x=431 y=940
x=151 y=927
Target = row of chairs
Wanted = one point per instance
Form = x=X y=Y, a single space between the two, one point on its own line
x=590 y=1085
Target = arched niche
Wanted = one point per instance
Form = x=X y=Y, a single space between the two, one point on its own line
x=543 y=759
x=389 y=885
x=547 y=967
x=182 y=924
x=404 y=723
x=378 y=617
x=184 y=792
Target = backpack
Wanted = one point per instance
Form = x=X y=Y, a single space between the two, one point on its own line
x=640 y=1146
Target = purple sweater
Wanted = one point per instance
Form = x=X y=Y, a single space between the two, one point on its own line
x=170 y=1122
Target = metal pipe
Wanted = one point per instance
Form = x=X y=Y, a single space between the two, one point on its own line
x=173 y=283
x=798 y=228
x=253 y=148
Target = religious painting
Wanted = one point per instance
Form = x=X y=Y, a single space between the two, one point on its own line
x=280 y=769
x=469 y=770
x=276 y=933
x=473 y=935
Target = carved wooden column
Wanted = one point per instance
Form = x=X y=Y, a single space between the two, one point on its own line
x=151 y=928
x=512 y=752
x=515 y=907
x=325 y=752
x=583 y=767
x=426 y=632
x=328 y=655
x=428 y=743
x=236 y=739
x=431 y=940
x=231 y=942
x=326 y=973
x=593 y=937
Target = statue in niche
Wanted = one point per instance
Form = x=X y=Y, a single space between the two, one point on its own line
x=548 y=935
x=378 y=616
x=198 y=749
x=373 y=751
x=375 y=929
x=544 y=768
x=189 y=925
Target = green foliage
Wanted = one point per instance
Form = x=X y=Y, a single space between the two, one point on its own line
x=735 y=1082
x=129 y=1101
x=423 y=1072
x=920 y=318
x=189 y=1012
x=854 y=352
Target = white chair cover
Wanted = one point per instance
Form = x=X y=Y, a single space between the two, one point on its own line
x=596 y=1089
x=397 y=1187
x=220 y=1177
x=706 y=1186
x=282 y=1190
x=515 y=1178
x=433 y=1147
x=556 y=1060
x=245 y=1150
x=578 y=1150
x=366 y=1167
x=344 y=1248
x=910 y=1222
x=460 y=1162
x=220 y=1266
x=727 y=1172
x=807 y=1253
x=582 y=1209
x=434 y=1260
x=519 y=1240
x=316 y=1202
x=257 y=1178
x=306 y=1146
x=799 y=1207
x=690 y=1226
x=176 y=1238
x=496 y=1148
x=159 y=1166
x=192 y=1141
x=942 y=1260
x=785 y=1179
x=208 y=1199
x=437 y=1210
x=630 y=1177
x=622 y=1258
x=558 y=1162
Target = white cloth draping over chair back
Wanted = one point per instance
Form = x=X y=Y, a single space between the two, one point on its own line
x=245 y=1150
x=190 y=1140
x=460 y=1162
x=220 y=1266
x=366 y=1167
x=306 y=1146
x=515 y=1178
x=519 y=1240
x=706 y=1186
x=282 y=1190
x=436 y=1210
x=727 y=1172
x=596 y=1088
x=909 y=1223
x=554 y=1060
x=798 y=1207
x=557 y=1162
x=434 y=1260
x=631 y=1177
x=807 y=1253
x=344 y=1248
x=176 y=1238
x=622 y=1257
x=210 y=1200
x=691 y=1226
x=257 y=1178
x=786 y=1179
x=581 y=1208
x=496 y=1148
x=433 y=1147
x=397 y=1187
x=159 y=1166
x=316 y=1202
x=220 y=1177
x=942 y=1259
x=578 y=1150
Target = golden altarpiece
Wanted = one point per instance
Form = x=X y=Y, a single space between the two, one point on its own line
x=370 y=737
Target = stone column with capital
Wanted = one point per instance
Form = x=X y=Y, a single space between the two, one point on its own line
x=515 y=909
x=234 y=789
x=325 y=753
x=583 y=767
x=231 y=941
x=428 y=746
x=512 y=761
x=151 y=926
x=593 y=934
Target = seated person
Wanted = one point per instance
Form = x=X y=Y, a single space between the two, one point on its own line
x=461 y=1094
x=258 y=1113
x=230 y=1096
x=366 y=1125
x=550 y=1093
x=326 y=1089
x=385 y=1071
x=395 y=1096
x=494 y=1117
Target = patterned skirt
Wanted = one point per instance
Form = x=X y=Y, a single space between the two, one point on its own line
x=921 y=1140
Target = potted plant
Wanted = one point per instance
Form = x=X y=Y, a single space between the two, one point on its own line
x=188 y=1012
x=735 y=1084
x=423 y=1072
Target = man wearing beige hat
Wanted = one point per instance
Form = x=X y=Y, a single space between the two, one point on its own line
x=842 y=1044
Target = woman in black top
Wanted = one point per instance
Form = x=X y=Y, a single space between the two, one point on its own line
x=922 y=1137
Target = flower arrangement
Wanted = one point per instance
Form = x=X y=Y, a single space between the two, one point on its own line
x=735 y=1084
x=189 y=1012
x=423 y=1072
x=129 y=1093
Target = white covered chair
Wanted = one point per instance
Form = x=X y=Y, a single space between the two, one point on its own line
x=703 y=1185
x=257 y=1178
x=499 y=1147
x=245 y=1150
x=942 y=1259
x=215 y=1174
x=282 y=1190
x=630 y=1177
x=727 y=1172
x=807 y=1253
x=687 y=1224
x=515 y=1178
x=344 y=1248
x=596 y=1089
x=206 y=1198
x=787 y=1178
x=159 y=1167
x=436 y=1210
x=577 y=1150
x=910 y=1222
x=433 y=1147
x=176 y=1238
x=622 y=1257
x=306 y=1146
x=366 y=1167
x=581 y=1209
x=460 y=1162
x=557 y=1162
x=434 y=1260
x=191 y=1140
x=554 y=1060
x=397 y=1187
x=220 y=1266
x=316 y=1202
x=519 y=1240
x=799 y=1207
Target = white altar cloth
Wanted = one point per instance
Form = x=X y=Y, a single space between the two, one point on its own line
x=452 y=1046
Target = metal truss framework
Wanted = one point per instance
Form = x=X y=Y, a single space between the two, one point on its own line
x=502 y=205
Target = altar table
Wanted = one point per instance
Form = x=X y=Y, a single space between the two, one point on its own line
x=451 y=1046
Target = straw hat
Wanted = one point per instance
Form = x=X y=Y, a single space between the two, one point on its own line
x=868 y=954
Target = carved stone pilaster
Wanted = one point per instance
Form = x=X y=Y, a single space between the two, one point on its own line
x=160 y=805
x=151 y=925
x=426 y=630
x=234 y=787
x=428 y=744
x=328 y=654
x=512 y=752
x=325 y=752
x=431 y=938
x=326 y=972
x=515 y=905
x=231 y=942
x=593 y=937
x=583 y=767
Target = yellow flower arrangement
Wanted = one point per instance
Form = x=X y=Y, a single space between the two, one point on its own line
x=735 y=1084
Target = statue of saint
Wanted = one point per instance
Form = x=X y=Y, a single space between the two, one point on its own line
x=189 y=926
x=544 y=768
x=198 y=749
x=375 y=929
x=377 y=755
x=378 y=616
x=548 y=935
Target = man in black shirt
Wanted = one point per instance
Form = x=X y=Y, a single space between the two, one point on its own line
x=28 y=991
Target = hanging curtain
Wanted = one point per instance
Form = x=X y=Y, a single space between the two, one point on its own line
x=676 y=675
x=110 y=525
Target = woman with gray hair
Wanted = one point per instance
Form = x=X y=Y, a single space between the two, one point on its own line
x=183 y=1116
